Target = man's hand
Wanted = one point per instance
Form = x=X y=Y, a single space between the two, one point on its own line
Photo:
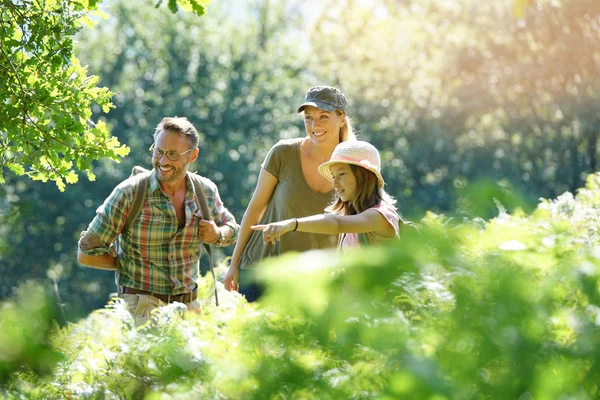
x=208 y=231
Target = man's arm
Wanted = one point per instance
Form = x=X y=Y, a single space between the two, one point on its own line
x=91 y=252
x=96 y=247
x=106 y=261
x=225 y=221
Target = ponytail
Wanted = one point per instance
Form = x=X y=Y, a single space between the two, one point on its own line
x=347 y=130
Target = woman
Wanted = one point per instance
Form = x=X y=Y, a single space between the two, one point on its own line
x=362 y=212
x=290 y=185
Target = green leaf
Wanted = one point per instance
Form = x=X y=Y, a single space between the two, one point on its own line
x=92 y=4
x=17 y=34
x=86 y=21
x=106 y=107
x=72 y=177
x=16 y=168
x=60 y=184
x=172 y=4
x=122 y=151
x=91 y=175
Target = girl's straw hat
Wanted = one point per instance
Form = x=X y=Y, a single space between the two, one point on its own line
x=355 y=152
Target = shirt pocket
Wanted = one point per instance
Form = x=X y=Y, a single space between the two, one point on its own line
x=151 y=216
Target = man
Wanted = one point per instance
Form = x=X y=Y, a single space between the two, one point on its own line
x=157 y=260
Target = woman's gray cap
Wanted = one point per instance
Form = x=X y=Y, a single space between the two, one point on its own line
x=326 y=98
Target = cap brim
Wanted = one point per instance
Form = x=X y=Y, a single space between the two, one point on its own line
x=325 y=171
x=318 y=104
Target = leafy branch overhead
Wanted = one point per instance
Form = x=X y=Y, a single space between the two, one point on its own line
x=47 y=129
x=198 y=7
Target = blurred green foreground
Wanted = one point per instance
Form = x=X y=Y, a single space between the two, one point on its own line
x=499 y=309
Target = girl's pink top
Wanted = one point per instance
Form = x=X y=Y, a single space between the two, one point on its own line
x=388 y=212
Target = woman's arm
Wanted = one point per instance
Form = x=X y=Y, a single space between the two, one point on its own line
x=258 y=204
x=367 y=221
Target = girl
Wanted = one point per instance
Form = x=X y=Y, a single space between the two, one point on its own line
x=363 y=212
x=290 y=185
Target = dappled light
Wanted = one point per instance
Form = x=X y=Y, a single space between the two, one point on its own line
x=486 y=115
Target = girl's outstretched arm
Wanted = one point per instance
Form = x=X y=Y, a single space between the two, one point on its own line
x=367 y=221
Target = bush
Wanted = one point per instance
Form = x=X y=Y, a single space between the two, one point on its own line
x=506 y=308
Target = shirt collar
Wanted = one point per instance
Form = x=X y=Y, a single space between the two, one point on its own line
x=154 y=185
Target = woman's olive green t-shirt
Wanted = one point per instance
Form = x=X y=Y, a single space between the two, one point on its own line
x=293 y=197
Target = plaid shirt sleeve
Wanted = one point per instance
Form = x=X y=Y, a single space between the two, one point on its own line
x=219 y=213
x=104 y=229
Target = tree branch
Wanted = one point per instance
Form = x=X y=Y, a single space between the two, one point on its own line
x=23 y=95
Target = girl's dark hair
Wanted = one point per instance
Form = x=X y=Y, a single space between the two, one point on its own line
x=368 y=194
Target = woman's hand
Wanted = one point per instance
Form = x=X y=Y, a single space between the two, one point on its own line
x=232 y=278
x=273 y=232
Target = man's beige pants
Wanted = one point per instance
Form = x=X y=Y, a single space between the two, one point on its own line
x=140 y=306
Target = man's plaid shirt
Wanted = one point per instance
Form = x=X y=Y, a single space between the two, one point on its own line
x=154 y=255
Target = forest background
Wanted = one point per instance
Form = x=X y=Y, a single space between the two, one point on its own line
x=498 y=95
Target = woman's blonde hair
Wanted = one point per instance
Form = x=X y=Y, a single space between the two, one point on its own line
x=347 y=130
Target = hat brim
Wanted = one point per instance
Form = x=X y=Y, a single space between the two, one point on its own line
x=324 y=169
x=318 y=104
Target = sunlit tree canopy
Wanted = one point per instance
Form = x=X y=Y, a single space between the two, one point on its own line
x=486 y=114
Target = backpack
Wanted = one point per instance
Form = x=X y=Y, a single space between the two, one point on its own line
x=140 y=191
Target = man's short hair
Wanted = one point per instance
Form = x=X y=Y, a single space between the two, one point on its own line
x=180 y=125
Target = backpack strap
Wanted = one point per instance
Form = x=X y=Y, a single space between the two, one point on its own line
x=202 y=204
x=140 y=190
x=201 y=201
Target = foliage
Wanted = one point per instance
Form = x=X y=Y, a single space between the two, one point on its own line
x=238 y=92
x=454 y=93
x=27 y=325
x=449 y=91
x=38 y=225
x=457 y=91
x=507 y=308
x=47 y=96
